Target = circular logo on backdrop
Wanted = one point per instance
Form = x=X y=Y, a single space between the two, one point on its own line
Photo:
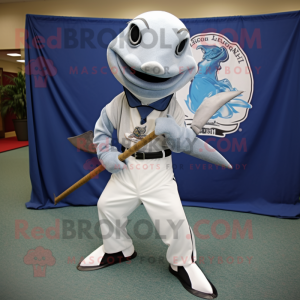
x=222 y=66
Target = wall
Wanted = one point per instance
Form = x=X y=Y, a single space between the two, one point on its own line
x=12 y=15
x=11 y=67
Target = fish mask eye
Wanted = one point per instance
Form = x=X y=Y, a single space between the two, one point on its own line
x=135 y=36
x=180 y=47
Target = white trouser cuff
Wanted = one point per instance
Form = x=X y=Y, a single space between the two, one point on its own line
x=129 y=251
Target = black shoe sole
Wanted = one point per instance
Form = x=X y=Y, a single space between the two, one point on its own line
x=129 y=258
x=194 y=292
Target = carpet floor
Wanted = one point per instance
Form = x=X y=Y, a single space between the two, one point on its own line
x=11 y=143
x=260 y=263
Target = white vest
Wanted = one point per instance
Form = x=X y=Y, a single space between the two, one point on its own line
x=127 y=122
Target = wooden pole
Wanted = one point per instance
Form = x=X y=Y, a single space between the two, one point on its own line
x=147 y=139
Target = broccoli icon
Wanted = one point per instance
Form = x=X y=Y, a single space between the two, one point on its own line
x=91 y=164
x=40 y=68
x=39 y=258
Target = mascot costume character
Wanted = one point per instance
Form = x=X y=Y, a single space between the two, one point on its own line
x=152 y=59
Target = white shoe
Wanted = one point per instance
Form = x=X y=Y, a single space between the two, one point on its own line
x=99 y=259
x=194 y=281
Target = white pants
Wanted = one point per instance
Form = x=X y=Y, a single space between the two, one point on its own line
x=149 y=182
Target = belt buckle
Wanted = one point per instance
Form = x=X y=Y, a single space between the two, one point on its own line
x=143 y=153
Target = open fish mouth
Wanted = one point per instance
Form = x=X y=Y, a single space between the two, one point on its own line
x=146 y=81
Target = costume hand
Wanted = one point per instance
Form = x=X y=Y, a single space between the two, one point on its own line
x=168 y=127
x=178 y=138
x=111 y=162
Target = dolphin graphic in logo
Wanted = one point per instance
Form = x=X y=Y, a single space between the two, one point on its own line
x=206 y=84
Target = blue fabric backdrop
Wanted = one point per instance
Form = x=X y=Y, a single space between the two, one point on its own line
x=66 y=94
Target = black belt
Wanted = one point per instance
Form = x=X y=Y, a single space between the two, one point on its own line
x=150 y=155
